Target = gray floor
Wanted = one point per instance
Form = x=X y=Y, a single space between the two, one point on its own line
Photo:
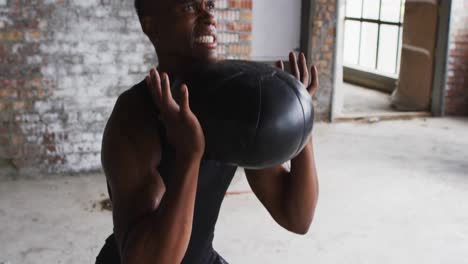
x=360 y=100
x=390 y=192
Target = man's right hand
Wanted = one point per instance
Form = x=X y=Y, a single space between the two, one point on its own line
x=183 y=129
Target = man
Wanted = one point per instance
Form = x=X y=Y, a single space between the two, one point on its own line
x=165 y=196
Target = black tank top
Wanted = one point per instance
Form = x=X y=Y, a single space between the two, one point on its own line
x=213 y=180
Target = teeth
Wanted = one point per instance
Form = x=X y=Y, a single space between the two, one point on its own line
x=205 y=39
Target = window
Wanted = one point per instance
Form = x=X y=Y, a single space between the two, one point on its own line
x=373 y=30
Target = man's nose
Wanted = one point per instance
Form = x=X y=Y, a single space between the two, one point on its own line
x=208 y=17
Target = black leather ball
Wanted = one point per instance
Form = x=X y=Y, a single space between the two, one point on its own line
x=253 y=115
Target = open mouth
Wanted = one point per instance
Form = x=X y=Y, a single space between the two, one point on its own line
x=206 y=40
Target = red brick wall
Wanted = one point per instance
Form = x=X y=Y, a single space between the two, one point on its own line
x=234 y=28
x=456 y=99
x=62 y=66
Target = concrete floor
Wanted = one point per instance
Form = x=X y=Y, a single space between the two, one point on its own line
x=390 y=192
x=359 y=100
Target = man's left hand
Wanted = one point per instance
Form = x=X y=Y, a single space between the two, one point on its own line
x=300 y=70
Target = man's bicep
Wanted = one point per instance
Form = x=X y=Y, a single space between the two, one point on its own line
x=131 y=171
x=130 y=148
x=266 y=183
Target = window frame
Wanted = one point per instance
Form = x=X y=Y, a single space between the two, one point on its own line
x=369 y=77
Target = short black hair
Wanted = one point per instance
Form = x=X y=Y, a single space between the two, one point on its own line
x=138 y=7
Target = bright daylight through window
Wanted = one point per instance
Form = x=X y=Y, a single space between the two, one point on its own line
x=373 y=30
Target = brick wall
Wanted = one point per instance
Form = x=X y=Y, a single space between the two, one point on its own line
x=234 y=28
x=62 y=66
x=323 y=53
x=456 y=99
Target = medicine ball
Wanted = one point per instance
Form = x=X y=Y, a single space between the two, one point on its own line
x=253 y=115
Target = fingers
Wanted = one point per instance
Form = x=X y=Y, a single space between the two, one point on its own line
x=304 y=72
x=299 y=68
x=300 y=71
x=167 y=99
x=314 y=85
x=161 y=91
x=154 y=83
x=280 y=65
x=184 y=104
x=164 y=89
x=294 y=66
x=315 y=80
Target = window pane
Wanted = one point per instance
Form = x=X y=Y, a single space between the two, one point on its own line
x=390 y=10
x=353 y=8
x=368 y=45
x=388 y=48
x=351 y=42
x=371 y=9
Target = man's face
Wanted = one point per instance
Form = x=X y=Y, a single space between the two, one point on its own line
x=185 y=29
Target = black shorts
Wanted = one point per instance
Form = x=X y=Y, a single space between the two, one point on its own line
x=109 y=254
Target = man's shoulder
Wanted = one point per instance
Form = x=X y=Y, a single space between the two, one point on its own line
x=136 y=101
x=134 y=96
x=134 y=107
x=134 y=117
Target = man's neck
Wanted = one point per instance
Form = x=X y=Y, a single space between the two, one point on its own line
x=169 y=67
x=177 y=67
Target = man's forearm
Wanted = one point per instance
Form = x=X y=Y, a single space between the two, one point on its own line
x=302 y=193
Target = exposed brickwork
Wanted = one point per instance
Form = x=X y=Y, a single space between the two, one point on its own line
x=63 y=64
x=456 y=99
x=234 y=28
x=323 y=53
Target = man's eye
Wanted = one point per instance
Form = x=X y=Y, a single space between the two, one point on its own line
x=210 y=5
x=190 y=7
